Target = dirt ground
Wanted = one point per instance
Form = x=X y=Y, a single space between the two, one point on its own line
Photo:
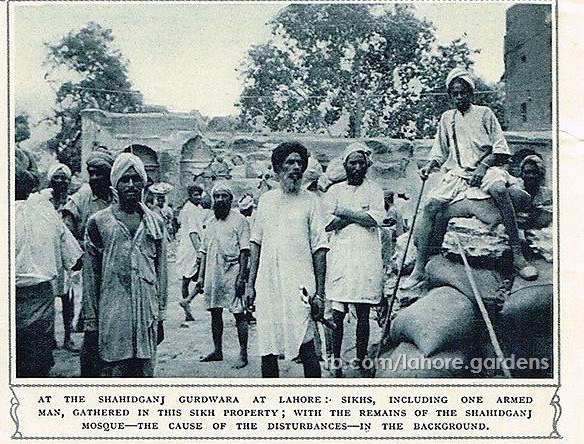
x=179 y=353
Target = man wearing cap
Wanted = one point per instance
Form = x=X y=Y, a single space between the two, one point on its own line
x=126 y=247
x=469 y=147
x=288 y=254
x=59 y=177
x=354 y=211
x=160 y=206
x=43 y=247
x=224 y=257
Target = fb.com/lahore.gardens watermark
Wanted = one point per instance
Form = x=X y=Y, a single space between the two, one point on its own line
x=474 y=365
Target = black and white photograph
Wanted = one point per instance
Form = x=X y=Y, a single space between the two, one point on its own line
x=283 y=190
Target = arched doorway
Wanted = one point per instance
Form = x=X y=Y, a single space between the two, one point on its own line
x=196 y=157
x=149 y=158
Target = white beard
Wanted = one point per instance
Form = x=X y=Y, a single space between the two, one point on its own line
x=290 y=186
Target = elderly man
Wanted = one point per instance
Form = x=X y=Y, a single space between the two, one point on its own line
x=44 y=246
x=89 y=199
x=59 y=177
x=126 y=246
x=288 y=254
x=192 y=221
x=224 y=256
x=354 y=210
x=468 y=146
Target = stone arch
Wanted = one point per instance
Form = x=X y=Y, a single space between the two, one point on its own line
x=196 y=157
x=150 y=159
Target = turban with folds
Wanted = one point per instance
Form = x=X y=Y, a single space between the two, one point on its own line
x=246 y=202
x=55 y=168
x=100 y=158
x=535 y=160
x=222 y=186
x=459 y=73
x=282 y=151
x=123 y=163
x=358 y=147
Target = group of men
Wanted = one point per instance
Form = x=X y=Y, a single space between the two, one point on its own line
x=303 y=257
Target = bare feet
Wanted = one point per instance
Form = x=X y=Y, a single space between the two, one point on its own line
x=212 y=357
x=240 y=363
x=185 y=304
x=523 y=268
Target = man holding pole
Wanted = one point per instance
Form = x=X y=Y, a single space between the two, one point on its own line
x=469 y=146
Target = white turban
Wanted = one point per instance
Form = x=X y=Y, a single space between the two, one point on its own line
x=245 y=202
x=123 y=163
x=56 y=167
x=358 y=147
x=222 y=186
x=459 y=73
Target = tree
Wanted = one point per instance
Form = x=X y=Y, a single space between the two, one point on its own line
x=224 y=124
x=21 y=128
x=91 y=73
x=378 y=65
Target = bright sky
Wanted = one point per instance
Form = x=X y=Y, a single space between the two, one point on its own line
x=184 y=56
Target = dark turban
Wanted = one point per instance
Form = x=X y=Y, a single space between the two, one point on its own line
x=25 y=182
x=100 y=159
x=282 y=151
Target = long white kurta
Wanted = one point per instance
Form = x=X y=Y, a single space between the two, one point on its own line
x=192 y=219
x=289 y=229
x=354 y=262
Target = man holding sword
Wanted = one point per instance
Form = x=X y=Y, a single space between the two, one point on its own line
x=288 y=254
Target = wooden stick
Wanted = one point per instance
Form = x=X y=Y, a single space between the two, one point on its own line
x=387 y=321
x=483 y=310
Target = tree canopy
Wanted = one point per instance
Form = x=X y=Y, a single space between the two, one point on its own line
x=379 y=65
x=88 y=72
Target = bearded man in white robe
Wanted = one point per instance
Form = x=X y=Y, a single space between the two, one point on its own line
x=288 y=254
